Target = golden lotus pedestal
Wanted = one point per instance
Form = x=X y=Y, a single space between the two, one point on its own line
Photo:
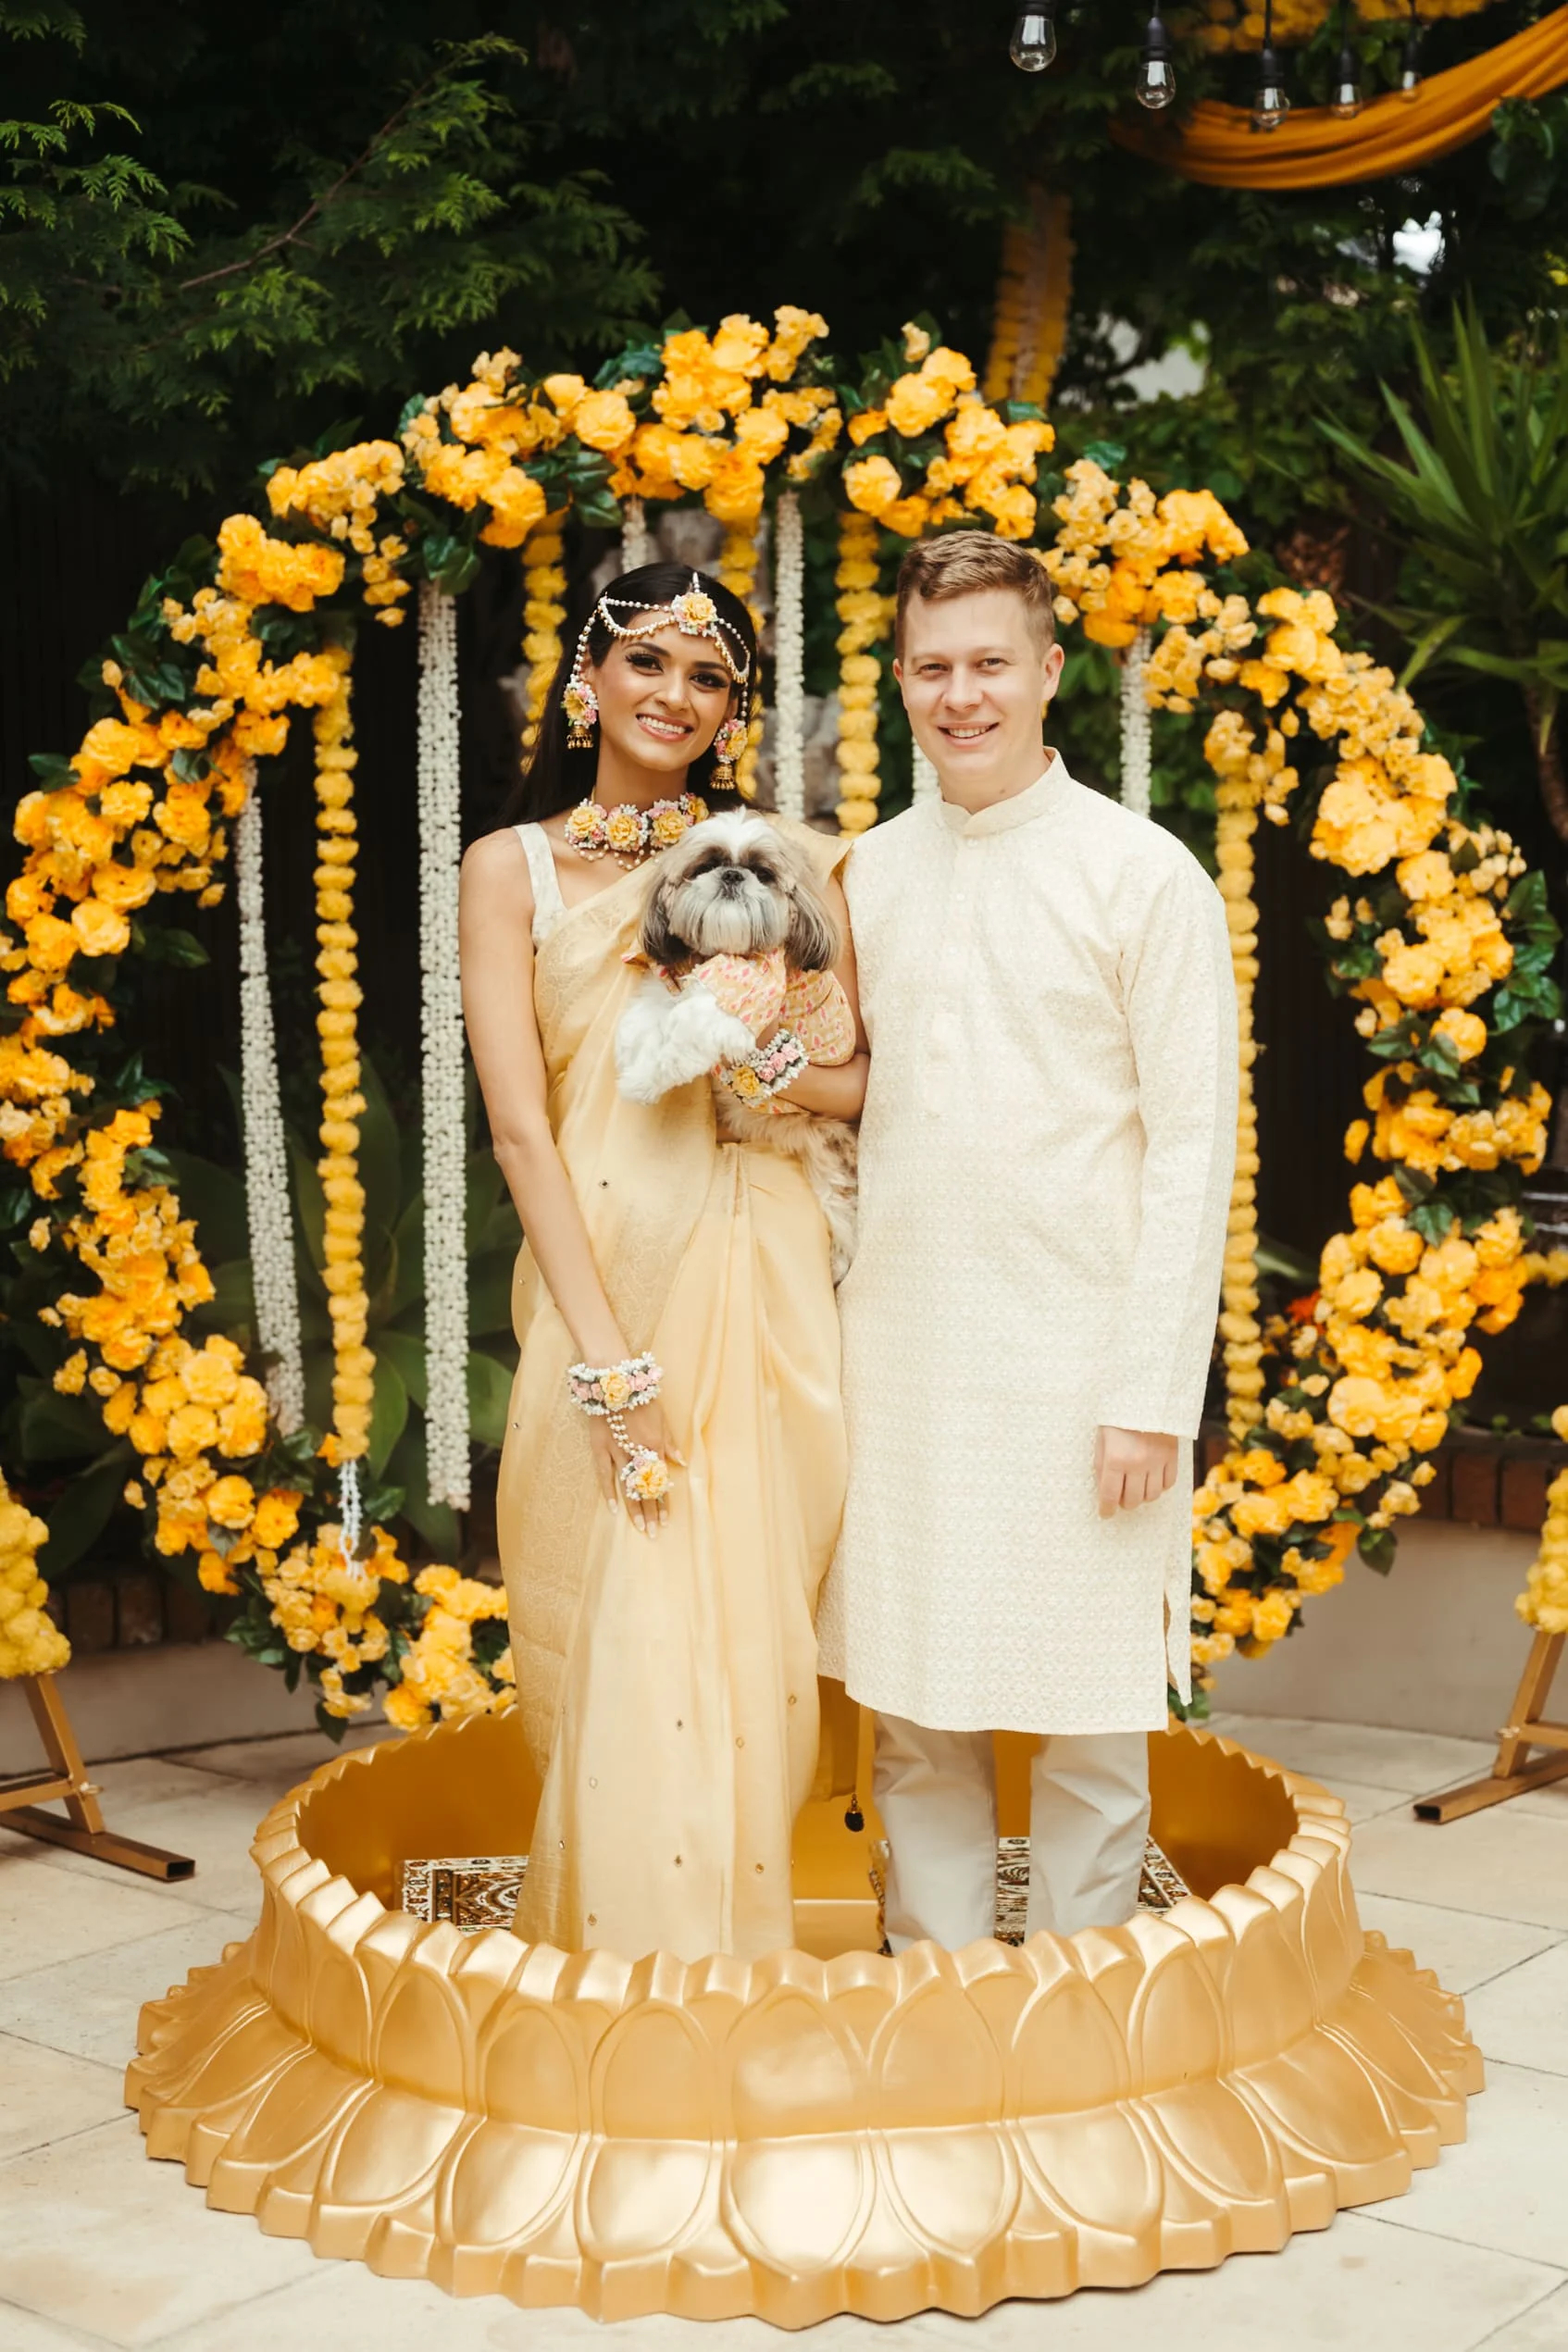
x=822 y=2131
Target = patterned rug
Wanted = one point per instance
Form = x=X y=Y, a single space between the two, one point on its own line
x=475 y=1891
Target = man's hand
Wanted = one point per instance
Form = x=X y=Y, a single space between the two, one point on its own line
x=1132 y=1466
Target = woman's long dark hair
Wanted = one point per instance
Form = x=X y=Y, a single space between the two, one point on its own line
x=557 y=779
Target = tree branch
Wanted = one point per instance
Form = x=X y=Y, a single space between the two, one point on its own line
x=313 y=211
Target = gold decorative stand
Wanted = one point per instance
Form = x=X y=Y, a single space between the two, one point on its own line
x=1526 y=1727
x=821 y=2129
x=24 y=1798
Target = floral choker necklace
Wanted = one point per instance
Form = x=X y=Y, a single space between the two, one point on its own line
x=631 y=833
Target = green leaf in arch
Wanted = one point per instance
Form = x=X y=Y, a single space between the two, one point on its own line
x=389 y=1415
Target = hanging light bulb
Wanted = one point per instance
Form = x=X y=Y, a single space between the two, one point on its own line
x=1270 y=103
x=1345 y=98
x=1409 y=63
x=1033 y=44
x=1155 y=87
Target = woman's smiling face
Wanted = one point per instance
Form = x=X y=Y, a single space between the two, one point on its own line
x=661 y=698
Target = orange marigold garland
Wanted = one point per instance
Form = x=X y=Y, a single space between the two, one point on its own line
x=337 y=962
x=738 y=560
x=864 y=613
x=544 y=609
x=1444 y=940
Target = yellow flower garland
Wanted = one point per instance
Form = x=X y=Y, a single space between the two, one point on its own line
x=30 y=1642
x=1033 y=296
x=864 y=613
x=1236 y=828
x=544 y=589
x=738 y=559
x=1348 y=1396
x=1238 y=24
x=337 y=1024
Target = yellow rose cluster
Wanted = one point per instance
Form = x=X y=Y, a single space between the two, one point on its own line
x=339 y=495
x=30 y=1642
x=864 y=613
x=1330 y=1412
x=1225 y=25
x=1123 y=560
x=143 y=808
x=440 y=1673
x=983 y=470
x=725 y=409
x=1544 y=1602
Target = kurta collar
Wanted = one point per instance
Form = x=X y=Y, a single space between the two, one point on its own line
x=1002 y=816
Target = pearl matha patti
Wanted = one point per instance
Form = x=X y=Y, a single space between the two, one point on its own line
x=695 y=613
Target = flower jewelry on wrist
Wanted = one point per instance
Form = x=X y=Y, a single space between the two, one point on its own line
x=767 y=1069
x=607 y=1393
x=615 y=1388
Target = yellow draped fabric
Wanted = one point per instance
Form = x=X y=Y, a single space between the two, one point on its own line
x=1315 y=149
x=667 y=1690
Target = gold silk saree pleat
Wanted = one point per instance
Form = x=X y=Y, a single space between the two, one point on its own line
x=668 y=1689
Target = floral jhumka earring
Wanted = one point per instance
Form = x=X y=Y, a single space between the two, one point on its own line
x=728 y=744
x=629 y=833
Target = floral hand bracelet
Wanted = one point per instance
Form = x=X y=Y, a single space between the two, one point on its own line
x=617 y=1387
x=608 y=1393
x=768 y=1070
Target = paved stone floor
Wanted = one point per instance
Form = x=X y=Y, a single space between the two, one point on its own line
x=100 y=2247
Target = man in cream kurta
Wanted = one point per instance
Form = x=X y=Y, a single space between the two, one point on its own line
x=1045 y=1164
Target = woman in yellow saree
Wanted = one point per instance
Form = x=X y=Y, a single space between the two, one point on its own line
x=664 y=1655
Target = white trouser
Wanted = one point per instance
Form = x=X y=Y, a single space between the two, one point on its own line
x=1089 y=1817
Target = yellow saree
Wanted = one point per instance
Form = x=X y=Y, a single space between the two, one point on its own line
x=668 y=1689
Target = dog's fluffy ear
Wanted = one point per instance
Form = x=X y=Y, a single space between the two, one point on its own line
x=814 y=941
x=659 y=942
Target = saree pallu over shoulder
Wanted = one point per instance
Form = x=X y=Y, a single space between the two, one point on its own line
x=668 y=1689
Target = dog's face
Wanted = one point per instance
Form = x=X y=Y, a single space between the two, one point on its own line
x=733 y=887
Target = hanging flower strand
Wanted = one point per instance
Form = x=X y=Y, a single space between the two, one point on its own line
x=789 y=643
x=441 y=1002
x=337 y=1024
x=267 y=1212
x=738 y=561
x=864 y=613
x=545 y=591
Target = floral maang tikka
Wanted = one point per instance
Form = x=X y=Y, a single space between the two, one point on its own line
x=695 y=615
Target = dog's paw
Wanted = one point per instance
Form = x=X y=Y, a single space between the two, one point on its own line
x=663 y=1041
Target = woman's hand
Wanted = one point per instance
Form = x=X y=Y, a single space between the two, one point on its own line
x=645 y=1427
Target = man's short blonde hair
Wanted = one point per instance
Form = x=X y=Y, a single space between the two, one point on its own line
x=963 y=563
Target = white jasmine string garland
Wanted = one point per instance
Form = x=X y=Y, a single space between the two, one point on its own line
x=268 y=1216
x=1136 y=764
x=789 y=643
x=441 y=1064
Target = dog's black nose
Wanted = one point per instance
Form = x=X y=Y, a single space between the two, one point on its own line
x=730 y=881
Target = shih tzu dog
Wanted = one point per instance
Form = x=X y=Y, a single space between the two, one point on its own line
x=738 y=938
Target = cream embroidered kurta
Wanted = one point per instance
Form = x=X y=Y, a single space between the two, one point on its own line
x=1045 y=1165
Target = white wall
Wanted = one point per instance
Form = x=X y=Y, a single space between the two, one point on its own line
x=1433 y=1646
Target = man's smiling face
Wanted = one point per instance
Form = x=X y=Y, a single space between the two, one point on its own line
x=976 y=679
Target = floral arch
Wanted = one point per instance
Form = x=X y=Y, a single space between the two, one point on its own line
x=1440 y=935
